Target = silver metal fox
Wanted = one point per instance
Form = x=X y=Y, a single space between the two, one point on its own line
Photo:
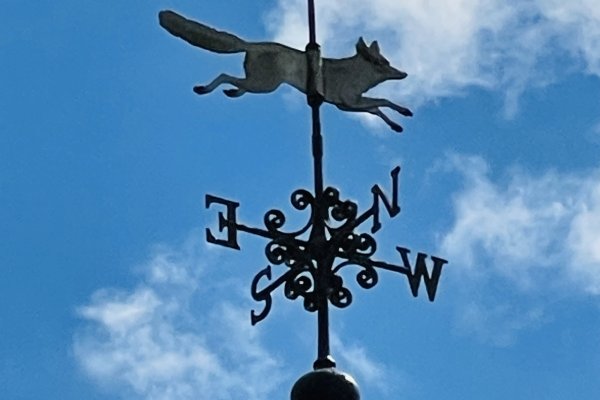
x=268 y=65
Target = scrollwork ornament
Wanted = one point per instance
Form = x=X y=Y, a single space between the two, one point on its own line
x=339 y=295
x=352 y=245
x=310 y=302
x=276 y=253
x=368 y=277
x=299 y=285
x=301 y=199
x=367 y=245
x=344 y=211
x=331 y=196
x=274 y=220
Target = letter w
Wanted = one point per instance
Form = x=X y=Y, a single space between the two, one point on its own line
x=420 y=271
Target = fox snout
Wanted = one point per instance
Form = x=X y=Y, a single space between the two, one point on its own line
x=396 y=73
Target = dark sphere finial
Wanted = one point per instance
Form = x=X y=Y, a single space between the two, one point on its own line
x=325 y=384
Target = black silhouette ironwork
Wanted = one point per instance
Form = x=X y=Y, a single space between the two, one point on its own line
x=314 y=255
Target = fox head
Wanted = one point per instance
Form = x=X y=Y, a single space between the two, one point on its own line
x=372 y=54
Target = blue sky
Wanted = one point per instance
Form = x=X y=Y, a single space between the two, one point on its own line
x=109 y=291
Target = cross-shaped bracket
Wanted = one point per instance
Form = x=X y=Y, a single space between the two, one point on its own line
x=314 y=257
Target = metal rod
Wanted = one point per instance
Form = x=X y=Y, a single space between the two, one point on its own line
x=315 y=99
x=324 y=359
x=317 y=152
x=312 y=30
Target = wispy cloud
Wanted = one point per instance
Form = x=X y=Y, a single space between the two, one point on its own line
x=500 y=323
x=595 y=132
x=359 y=363
x=525 y=227
x=448 y=46
x=519 y=242
x=150 y=342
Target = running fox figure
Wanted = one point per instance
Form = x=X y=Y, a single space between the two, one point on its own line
x=268 y=65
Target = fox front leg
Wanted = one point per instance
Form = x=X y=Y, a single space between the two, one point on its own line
x=375 y=111
x=219 y=80
x=368 y=102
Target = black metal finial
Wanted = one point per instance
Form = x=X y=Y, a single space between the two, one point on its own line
x=325 y=384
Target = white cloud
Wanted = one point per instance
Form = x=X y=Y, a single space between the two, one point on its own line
x=593 y=133
x=145 y=342
x=358 y=363
x=584 y=241
x=498 y=324
x=577 y=26
x=527 y=228
x=168 y=338
x=448 y=46
x=518 y=243
x=121 y=311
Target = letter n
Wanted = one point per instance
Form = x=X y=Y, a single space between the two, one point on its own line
x=393 y=209
x=420 y=271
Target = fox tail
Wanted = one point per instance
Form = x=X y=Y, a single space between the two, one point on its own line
x=200 y=35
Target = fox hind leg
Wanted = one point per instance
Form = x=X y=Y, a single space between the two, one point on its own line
x=234 y=92
x=219 y=80
x=254 y=84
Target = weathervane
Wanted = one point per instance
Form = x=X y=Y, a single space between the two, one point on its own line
x=312 y=256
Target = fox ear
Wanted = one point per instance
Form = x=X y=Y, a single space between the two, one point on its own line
x=375 y=47
x=361 y=47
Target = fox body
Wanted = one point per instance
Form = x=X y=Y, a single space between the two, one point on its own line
x=267 y=65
